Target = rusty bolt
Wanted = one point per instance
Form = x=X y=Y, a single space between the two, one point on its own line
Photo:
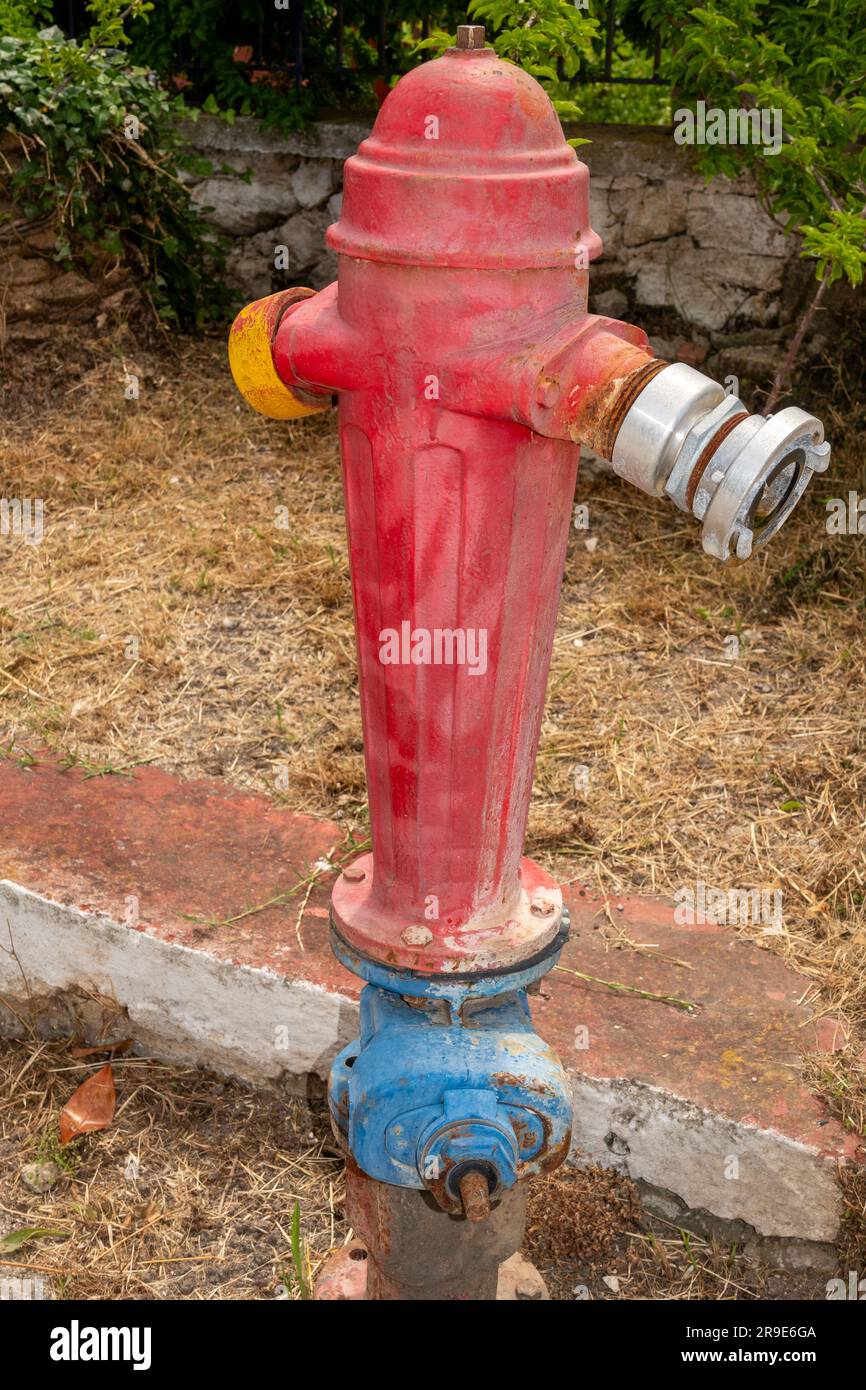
x=475 y=1196
x=353 y=874
x=417 y=936
x=470 y=35
x=542 y=908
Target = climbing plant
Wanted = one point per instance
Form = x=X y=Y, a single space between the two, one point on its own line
x=806 y=61
x=99 y=154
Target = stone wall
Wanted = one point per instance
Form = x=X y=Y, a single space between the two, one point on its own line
x=36 y=294
x=269 y=191
x=707 y=261
x=708 y=252
x=703 y=267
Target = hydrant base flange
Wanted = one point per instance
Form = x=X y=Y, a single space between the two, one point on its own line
x=501 y=938
x=451 y=986
x=343 y=1278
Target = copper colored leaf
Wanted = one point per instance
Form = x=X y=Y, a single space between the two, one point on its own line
x=90 y=1107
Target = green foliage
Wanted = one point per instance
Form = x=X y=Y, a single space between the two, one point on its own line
x=103 y=156
x=238 y=57
x=297 y=1253
x=837 y=245
x=20 y=19
x=562 y=44
x=807 y=60
x=627 y=103
x=190 y=44
x=549 y=38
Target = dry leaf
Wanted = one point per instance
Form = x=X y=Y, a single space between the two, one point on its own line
x=90 y=1107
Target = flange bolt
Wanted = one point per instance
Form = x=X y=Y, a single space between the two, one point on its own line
x=416 y=936
x=541 y=907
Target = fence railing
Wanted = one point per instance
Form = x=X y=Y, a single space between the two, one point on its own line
x=72 y=17
x=607 y=74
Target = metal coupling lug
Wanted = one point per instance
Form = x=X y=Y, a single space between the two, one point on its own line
x=741 y=475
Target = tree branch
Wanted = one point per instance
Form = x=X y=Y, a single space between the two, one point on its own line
x=795 y=344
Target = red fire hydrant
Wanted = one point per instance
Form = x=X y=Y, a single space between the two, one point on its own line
x=467 y=370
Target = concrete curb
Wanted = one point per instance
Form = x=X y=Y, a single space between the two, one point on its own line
x=122 y=913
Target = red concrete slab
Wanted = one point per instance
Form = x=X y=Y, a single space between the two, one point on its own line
x=190 y=852
x=738 y=1051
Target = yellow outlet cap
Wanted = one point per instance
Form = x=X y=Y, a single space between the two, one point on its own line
x=252 y=363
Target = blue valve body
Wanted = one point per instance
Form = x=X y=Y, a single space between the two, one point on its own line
x=429 y=1090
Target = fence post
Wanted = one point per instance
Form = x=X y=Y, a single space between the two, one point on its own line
x=608 y=39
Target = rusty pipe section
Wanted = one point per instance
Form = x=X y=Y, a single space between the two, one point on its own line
x=417 y=1252
x=670 y=430
x=557 y=377
x=665 y=427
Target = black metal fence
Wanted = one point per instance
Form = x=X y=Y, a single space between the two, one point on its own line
x=607 y=73
x=379 y=22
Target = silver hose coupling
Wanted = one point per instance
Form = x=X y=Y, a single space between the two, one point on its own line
x=741 y=475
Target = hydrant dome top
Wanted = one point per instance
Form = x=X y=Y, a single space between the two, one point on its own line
x=467 y=165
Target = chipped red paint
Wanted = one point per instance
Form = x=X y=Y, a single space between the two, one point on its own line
x=458 y=340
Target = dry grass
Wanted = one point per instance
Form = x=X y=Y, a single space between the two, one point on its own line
x=160 y=527
x=587 y=1232
x=189 y=1193
x=165 y=616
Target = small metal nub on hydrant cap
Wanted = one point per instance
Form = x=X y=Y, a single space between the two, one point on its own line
x=470 y=35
